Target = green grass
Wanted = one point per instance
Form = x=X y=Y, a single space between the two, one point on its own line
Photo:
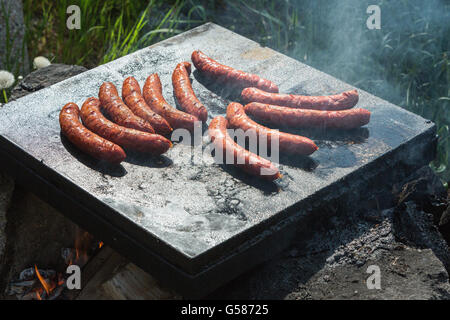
x=109 y=29
x=406 y=62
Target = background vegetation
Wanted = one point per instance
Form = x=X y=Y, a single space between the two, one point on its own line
x=406 y=62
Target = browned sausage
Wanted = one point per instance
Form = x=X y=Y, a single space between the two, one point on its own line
x=230 y=75
x=155 y=100
x=283 y=116
x=345 y=100
x=85 y=140
x=288 y=143
x=243 y=159
x=125 y=137
x=132 y=96
x=118 y=111
x=184 y=93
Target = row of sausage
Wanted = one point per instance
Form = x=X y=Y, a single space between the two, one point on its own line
x=143 y=120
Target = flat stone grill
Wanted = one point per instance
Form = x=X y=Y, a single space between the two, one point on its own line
x=191 y=215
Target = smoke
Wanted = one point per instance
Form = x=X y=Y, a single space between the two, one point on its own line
x=405 y=52
x=406 y=61
x=400 y=62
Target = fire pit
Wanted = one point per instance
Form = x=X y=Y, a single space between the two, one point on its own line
x=195 y=226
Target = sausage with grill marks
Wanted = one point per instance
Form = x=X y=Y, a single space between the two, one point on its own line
x=242 y=158
x=221 y=72
x=345 y=100
x=304 y=118
x=118 y=111
x=288 y=143
x=86 y=140
x=185 y=94
x=132 y=96
x=125 y=137
x=153 y=96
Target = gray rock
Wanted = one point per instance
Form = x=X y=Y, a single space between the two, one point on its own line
x=13 y=50
x=43 y=78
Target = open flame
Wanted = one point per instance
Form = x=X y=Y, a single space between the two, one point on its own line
x=43 y=282
x=83 y=242
x=51 y=284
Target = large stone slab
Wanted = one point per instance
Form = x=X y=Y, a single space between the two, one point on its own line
x=196 y=223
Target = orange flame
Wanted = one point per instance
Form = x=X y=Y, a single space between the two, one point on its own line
x=82 y=243
x=43 y=282
x=60 y=281
x=100 y=245
x=38 y=295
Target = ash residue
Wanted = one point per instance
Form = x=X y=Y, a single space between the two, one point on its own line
x=332 y=263
x=225 y=198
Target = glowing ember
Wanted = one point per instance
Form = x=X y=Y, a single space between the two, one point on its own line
x=83 y=242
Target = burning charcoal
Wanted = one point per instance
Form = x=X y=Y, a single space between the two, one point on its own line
x=21 y=287
x=96 y=245
x=27 y=274
x=33 y=295
x=56 y=293
x=47 y=274
x=43 y=295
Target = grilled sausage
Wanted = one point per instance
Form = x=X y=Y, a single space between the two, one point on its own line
x=118 y=111
x=283 y=116
x=242 y=158
x=288 y=143
x=230 y=75
x=184 y=93
x=155 y=100
x=85 y=140
x=345 y=100
x=132 y=96
x=125 y=137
